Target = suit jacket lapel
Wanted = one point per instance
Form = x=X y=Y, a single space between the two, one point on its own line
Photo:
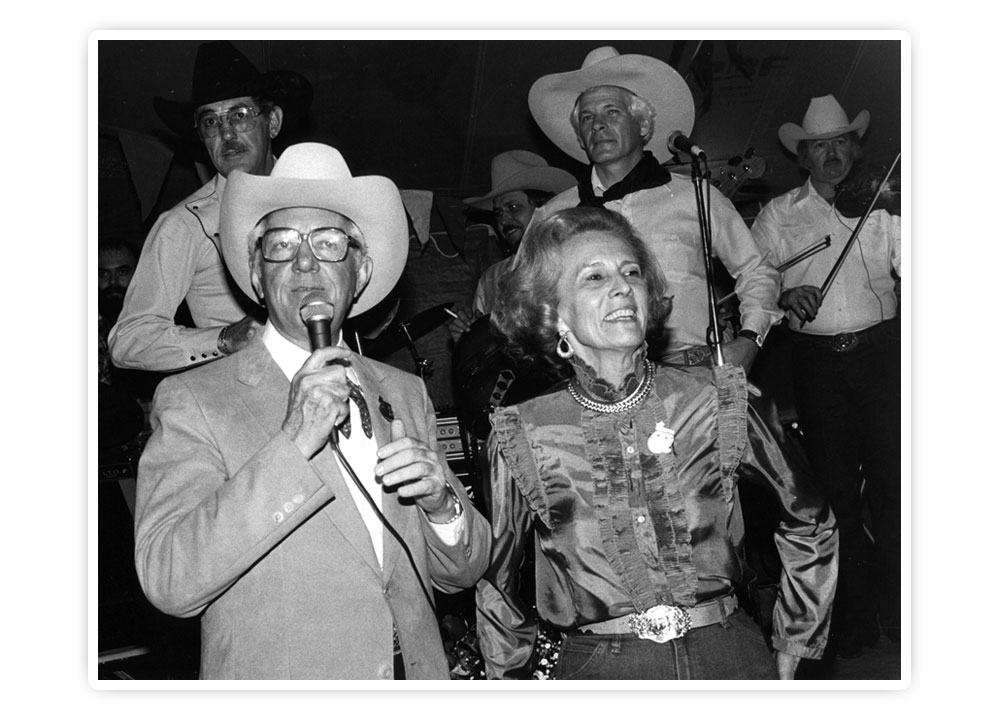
x=268 y=404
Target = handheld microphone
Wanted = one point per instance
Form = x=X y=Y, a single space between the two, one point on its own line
x=316 y=312
x=679 y=143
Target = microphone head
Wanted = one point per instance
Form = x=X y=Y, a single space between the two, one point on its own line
x=672 y=141
x=316 y=305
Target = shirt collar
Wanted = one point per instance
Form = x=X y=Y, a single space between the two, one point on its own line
x=804 y=192
x=595 y=182
x=289 y=356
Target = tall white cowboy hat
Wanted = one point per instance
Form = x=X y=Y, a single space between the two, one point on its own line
x=824 y=119
x=521 y=170
x=315 y=175
x=552 y=97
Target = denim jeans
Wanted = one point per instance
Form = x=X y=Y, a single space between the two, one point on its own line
x=731 y=650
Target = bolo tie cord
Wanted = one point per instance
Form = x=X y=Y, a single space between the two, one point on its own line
x=384 y=520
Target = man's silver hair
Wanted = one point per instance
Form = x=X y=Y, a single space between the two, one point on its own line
x=638 y=107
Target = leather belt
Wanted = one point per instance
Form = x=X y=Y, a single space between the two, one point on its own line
x=848 y=341
x=663 y=623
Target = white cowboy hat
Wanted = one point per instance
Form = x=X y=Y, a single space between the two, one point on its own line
x=315 y=175
x=552 y=97
x=521 y=170
x=824 y=119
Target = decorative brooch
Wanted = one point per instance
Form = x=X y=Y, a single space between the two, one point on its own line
x=662 y=439
x=385 y=408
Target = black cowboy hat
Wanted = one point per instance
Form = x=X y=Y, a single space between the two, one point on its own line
x=222 y=72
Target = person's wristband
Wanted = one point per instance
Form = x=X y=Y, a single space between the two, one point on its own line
x=756 y=337
x=458 y=506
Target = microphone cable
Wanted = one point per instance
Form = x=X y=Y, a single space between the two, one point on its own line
x=383 y=519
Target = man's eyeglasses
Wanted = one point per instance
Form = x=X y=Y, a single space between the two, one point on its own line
x=327 y=244
x=240 y=119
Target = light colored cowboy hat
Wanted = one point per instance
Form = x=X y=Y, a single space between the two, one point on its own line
x=222 y=72
x=521 y=170
x=552 y=97
x=824 y=119
x=315 y=175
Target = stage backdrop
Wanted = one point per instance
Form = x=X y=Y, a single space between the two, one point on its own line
x=430 y=115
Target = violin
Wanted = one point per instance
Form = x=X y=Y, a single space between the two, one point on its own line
x=857 y=191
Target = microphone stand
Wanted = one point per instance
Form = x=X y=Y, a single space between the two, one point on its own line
x=705 y=225
x=423 y=365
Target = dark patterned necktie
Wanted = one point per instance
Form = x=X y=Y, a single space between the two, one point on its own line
x=366 y=419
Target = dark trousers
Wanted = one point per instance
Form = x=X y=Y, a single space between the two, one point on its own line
x=849 y=407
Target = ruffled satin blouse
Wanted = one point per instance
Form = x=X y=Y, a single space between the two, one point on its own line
x=638 y=509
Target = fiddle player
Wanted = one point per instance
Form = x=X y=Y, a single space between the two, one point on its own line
x=846 y=360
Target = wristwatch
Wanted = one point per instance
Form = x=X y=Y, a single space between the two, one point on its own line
x=457 y=505
x=751 y=335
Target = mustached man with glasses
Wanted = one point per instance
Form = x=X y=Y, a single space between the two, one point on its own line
x=236 y=112
x=295 y=498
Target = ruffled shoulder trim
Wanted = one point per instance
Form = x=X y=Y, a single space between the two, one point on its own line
x=512 y=440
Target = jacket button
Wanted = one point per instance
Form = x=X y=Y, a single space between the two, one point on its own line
x=278 y=517
x=289 y=507
x=387 y=591
x=385 y=672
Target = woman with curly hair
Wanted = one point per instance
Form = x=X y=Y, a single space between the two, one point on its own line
x=623 y=477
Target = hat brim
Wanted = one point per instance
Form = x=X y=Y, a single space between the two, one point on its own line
x=546 y=179
x=287 y=89
x=552 y=97
x=791 y=134
x=372 y=202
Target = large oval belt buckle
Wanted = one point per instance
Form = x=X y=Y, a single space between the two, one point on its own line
x=661 y=623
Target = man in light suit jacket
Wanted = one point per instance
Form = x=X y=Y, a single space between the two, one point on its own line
x=247 y=512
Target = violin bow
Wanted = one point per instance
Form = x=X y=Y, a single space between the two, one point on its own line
x=857 y=230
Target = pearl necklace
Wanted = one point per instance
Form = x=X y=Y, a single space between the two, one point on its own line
x=628 y=403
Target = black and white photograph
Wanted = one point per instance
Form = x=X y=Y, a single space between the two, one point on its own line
x=388 y=351
x=485 y=358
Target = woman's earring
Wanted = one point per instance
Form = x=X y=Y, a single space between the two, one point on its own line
x=563 y=348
